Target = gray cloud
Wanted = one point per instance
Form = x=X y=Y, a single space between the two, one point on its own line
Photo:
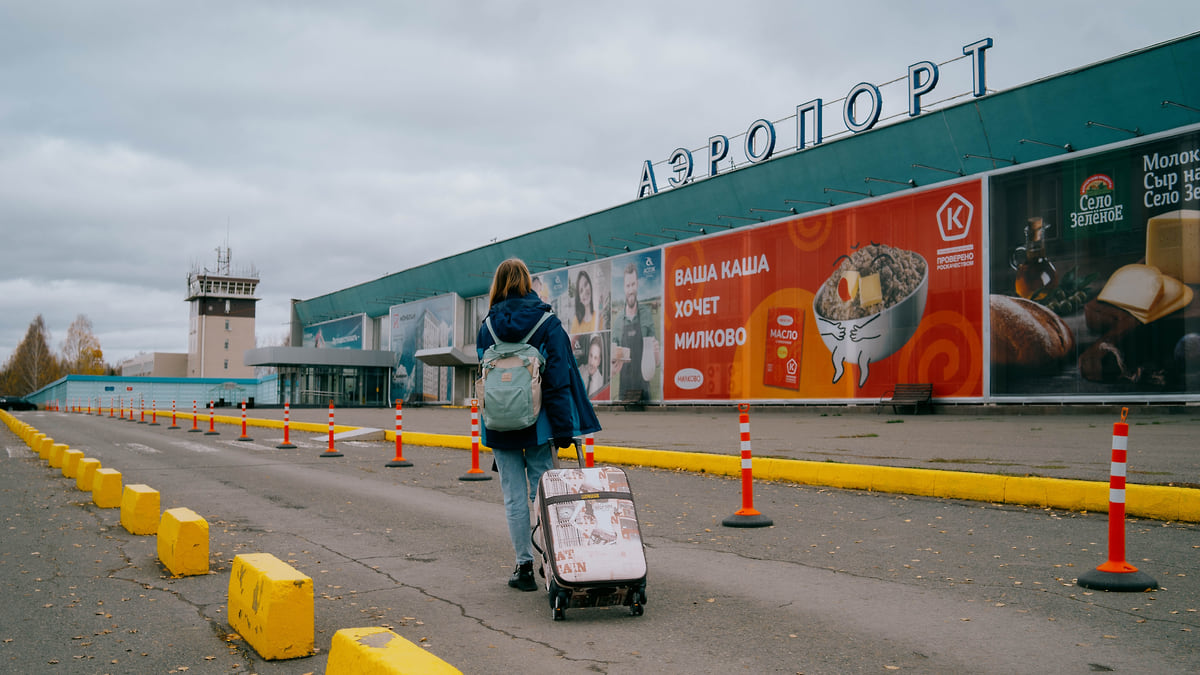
x=332 y=144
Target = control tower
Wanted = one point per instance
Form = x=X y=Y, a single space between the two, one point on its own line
x=221 y=329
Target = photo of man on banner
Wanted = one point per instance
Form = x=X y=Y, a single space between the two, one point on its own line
x=636 y=355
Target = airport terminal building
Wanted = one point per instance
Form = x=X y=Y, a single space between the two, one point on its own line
x=1038 y=244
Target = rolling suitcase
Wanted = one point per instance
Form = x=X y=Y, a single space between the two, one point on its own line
x=586 y=531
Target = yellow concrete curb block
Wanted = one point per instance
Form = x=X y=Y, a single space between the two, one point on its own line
x=271 y=606
x=379 y=651
x=183 y=542
x=56 y=454
x=139 y=509
x=106 y=488
x=70 y=462
x=86 y=474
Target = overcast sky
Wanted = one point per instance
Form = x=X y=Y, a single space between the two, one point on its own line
x=335 y=143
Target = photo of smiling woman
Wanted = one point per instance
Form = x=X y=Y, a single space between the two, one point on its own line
x=583 y=318
x=590 y=353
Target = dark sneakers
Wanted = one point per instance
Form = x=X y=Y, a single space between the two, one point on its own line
x=522 y=577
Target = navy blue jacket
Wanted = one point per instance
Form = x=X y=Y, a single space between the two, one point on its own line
x=566 y=410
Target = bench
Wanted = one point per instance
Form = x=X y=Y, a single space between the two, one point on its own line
x=633 y=399
x=915 y=395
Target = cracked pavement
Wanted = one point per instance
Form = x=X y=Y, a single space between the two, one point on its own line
x=844 y=581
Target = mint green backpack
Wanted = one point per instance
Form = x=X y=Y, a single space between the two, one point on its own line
x=510 y=381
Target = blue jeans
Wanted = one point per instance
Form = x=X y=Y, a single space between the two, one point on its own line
x=520 y=471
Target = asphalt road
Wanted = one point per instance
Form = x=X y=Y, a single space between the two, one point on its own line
x=844 y=582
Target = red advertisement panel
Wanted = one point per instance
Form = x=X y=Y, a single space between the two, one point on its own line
x=840 y=305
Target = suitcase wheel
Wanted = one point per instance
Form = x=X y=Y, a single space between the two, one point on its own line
x=637 y=607
x=560 y=606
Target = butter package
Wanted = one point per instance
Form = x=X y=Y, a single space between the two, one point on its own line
x=785 y=335
x=1173 y=244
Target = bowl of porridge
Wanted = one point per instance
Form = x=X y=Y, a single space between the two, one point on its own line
x=871 y=305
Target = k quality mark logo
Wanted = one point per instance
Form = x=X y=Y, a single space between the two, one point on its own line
x=954 y=217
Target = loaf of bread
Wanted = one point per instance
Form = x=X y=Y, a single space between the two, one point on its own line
x=1028 y=336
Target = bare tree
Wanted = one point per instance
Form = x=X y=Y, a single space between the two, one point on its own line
x=81 y=349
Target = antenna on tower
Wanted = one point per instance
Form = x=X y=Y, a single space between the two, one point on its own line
x=224 y=254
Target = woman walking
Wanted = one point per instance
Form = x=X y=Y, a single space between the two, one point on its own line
x=522 y=455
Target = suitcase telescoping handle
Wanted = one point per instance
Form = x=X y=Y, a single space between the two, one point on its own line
x=578 y=451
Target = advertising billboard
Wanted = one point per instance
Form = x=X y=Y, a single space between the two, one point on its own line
x=580 y=296
x=423 y=324
x=1095 y=263
x=611 y=312
x=840 y=305
x=344 y=333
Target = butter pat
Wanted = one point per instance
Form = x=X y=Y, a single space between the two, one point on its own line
x=1134 y=287
x=1173 y=244
x=848 y=286
x=869 y=291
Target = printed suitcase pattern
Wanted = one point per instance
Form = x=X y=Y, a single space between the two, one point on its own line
x=593 y=526
x=593 y=555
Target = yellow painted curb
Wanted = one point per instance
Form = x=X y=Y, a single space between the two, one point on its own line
x=1143 y=501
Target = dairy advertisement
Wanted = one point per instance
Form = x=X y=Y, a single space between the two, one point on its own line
x=1094 y=271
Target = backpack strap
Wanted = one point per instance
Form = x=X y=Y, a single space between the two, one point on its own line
x=533 y=330
x=488 y=322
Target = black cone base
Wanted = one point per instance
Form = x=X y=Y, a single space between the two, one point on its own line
x=399 y=462
x=1122 y=582
x=286 y=446
x=756 y=520
x=327 y=453
x=475 y=476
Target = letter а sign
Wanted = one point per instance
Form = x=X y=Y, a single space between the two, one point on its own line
x=954 y=217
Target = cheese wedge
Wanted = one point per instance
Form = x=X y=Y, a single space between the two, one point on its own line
x=1134 y=287
x=1176 y=296
x=1173 y=244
